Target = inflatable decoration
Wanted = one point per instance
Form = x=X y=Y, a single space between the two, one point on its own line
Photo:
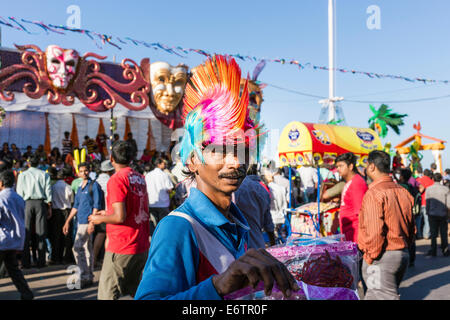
x=384 y=118
x=317 y=144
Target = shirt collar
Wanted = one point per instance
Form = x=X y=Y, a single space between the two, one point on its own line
x=380 y=180
x=5 y=191
x=206 y=211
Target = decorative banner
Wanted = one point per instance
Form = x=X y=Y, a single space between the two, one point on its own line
x=315 y=144
x=179 y=51
x=63 y=75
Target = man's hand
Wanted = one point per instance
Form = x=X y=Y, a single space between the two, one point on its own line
x=252 y=267
x=91 y=228
x=95 y=219
x=65 y=229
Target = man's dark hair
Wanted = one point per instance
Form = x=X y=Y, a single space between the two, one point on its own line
x=405 y=174
x=437 y=177
x=428 y=173
x=447 y=171
x=52 y=172
x=84 y=164
x=123 y=152
x=34 y=160
x=3 y=166
x=349 y=158
x=86 y=137
x=7 y=178
x=96 y=166
x=158 y=161
x=433 y=166
x=136 y=167
x=67 y=171
x=60 y=175
x=66 y=133
x=116 y=136
x=381 y=160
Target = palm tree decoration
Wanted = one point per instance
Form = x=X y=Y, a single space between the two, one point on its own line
x=384 y=118
x=335 y=122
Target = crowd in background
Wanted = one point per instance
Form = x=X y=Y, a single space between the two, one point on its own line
x=55 y=206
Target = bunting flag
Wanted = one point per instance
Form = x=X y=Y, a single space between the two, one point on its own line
x=19 y=24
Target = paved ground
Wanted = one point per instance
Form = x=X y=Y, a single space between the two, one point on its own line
x=428 y=280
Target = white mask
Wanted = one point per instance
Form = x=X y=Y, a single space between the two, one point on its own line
x=61 y=65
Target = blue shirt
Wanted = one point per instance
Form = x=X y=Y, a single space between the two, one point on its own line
x=12 y=220
x=254 y=202
x=86 y=202
x=172 y=265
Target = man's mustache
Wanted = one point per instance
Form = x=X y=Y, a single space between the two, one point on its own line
x=233 y=175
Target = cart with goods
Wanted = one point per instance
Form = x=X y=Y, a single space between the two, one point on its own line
x=318 y=145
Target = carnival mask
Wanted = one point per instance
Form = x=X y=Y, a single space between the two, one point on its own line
x=61 y=65
x=168 y=85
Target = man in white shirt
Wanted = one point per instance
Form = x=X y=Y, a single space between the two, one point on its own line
x=177 y=171
x=278 y=204
x=309 y=180
x=62 y=202
x=159 y=187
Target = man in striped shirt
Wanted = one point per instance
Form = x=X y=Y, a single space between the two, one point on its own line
x=386 y=229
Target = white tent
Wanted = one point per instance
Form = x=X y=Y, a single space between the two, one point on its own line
x=25 y=123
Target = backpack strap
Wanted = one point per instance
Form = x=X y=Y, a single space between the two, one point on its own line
x=213 y=250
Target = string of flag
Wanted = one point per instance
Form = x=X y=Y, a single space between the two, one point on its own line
x=118 y=42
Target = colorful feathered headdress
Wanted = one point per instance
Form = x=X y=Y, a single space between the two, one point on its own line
x=215 y=110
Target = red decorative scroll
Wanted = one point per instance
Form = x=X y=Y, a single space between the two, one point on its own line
x=91 y=85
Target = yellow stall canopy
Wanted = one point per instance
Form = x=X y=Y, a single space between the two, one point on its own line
x=315 y=144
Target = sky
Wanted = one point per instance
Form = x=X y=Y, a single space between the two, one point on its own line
x=411 y=41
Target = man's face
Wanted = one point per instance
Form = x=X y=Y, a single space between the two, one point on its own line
x=61 y=65
x=168 y=84
x=223 y=170
x=343 y=169
x=83 y=173
x=370 y=170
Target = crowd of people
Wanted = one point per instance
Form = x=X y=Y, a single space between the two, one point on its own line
x=62 y=207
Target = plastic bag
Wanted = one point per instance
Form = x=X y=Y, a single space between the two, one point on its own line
x=306 y=292
x=333 y=264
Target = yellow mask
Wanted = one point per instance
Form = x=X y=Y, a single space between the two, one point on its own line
x=168 y=85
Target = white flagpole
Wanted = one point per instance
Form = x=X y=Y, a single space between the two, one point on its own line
x=331 y=56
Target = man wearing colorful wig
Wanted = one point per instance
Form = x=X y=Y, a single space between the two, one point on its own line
x=199 y=251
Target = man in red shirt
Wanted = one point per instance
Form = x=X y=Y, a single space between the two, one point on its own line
x=127 y=227
x=425 y=181
x=352 y=195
